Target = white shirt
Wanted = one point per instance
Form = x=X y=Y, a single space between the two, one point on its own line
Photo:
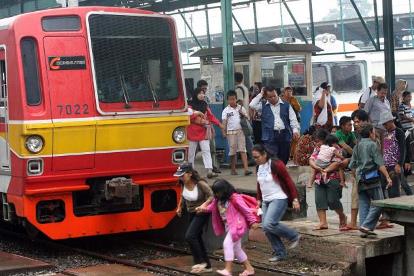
x=270 y=189
x=366 y=95
x=232 y=116
x=256 y=104
x=190 y=195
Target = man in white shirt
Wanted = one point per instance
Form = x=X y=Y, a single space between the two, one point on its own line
x=279 y=122
x=369 y=91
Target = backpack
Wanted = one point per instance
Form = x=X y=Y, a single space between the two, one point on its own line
x=251 y=203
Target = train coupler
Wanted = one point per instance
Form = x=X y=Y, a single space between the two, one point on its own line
x=121 y=188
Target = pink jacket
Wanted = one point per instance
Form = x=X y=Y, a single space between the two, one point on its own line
x=197 y=132
x=238 y=215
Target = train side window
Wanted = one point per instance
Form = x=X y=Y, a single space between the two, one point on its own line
x=319 y=74
x=61 y=23
x=347 y=77
x=3 y=83
x=31 y=70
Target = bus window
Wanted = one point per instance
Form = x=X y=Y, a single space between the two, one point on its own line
x=319 y=74
x=346 y=77
x=133 y=59
x=30 y=69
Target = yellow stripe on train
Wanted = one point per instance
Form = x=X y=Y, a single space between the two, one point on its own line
x=71 y=137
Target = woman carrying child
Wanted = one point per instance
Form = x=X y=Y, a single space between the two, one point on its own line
x=195 y=193
x=275 y=191
x=328 y=192
x=230 y=214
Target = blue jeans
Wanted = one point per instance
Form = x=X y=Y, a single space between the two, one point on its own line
x=273 y=212
x=368 y=214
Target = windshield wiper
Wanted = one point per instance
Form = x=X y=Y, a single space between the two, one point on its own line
x=124 y=91
x=154 y=94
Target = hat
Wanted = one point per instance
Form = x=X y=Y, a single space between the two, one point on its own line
x=183 y=168
x=325 y=85
x=385 y=117
x=378 y=79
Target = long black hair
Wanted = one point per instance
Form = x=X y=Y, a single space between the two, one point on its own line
x=196 y=104
x=223 y=190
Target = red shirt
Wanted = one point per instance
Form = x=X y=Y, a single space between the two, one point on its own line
x=197 y=131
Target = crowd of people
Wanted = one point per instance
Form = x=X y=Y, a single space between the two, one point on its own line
x=373 y=145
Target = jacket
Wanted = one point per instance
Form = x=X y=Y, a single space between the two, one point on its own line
x=204 y=193
x=281 y=175
x=197 y=132
x=238 y=216
x=268 y=121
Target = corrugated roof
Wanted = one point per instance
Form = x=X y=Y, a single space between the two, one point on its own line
x=244 y=50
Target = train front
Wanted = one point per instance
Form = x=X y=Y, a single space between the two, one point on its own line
x=118 y=127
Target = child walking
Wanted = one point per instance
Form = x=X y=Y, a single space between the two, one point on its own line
x=230 y=214
x=233 y=132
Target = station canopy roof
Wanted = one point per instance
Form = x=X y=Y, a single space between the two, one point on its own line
x=245 y=50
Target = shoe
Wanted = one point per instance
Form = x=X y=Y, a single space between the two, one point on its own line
x=201 y=270
x=295 y=243
x=246 y=173
x=211 y=175
x=201 y=265
x=216 y=170
x=276 y=259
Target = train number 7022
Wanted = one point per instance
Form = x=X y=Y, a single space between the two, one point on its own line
x=75 y=109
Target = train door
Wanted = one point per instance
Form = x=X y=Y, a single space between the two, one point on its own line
x=72 y=103
x=4 y=145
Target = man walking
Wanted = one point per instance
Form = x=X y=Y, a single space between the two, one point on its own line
x=279 y=122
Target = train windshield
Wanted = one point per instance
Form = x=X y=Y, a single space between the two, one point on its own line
x=134 y=61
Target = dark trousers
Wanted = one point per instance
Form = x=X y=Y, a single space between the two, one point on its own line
x=194 y=238
x=257 y=131
x=394 y=190
x=404 y=184
x=279 y=146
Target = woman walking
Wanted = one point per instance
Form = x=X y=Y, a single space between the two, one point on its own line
x=275 y=191
x=200 y=130
x=195 y=193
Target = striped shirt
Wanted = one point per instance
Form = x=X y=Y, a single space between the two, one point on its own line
x=405 y=113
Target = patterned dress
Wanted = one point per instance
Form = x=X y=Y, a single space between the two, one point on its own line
x=304 y=150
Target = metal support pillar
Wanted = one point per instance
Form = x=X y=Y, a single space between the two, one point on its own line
x=191 y=30
x=342 y=26
x=389 y=60
x=295 y=22
x=364 y=24
x=208 y=28
x=377 y=25
x=312 y=22
x=227 y=35
x=256 y=30
x=240 y=28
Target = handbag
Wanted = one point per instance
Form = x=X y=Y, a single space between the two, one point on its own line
x=245 y=125
x=368 y=177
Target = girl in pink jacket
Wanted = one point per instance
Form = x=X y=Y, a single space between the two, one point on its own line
x=230 y=214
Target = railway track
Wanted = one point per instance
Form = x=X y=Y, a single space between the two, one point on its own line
x=144 y=265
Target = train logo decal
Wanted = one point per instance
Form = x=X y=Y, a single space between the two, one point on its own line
x=67 y=63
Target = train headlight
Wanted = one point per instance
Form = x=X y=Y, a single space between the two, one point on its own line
x=34 y=143
x=179 y=135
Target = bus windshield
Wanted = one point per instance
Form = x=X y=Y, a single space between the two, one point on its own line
x=133 y=59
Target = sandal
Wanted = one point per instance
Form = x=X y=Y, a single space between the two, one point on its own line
x=320 y=227
x=246 y=273
x=384 y=225
x=224 y=272
x=346 y=228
